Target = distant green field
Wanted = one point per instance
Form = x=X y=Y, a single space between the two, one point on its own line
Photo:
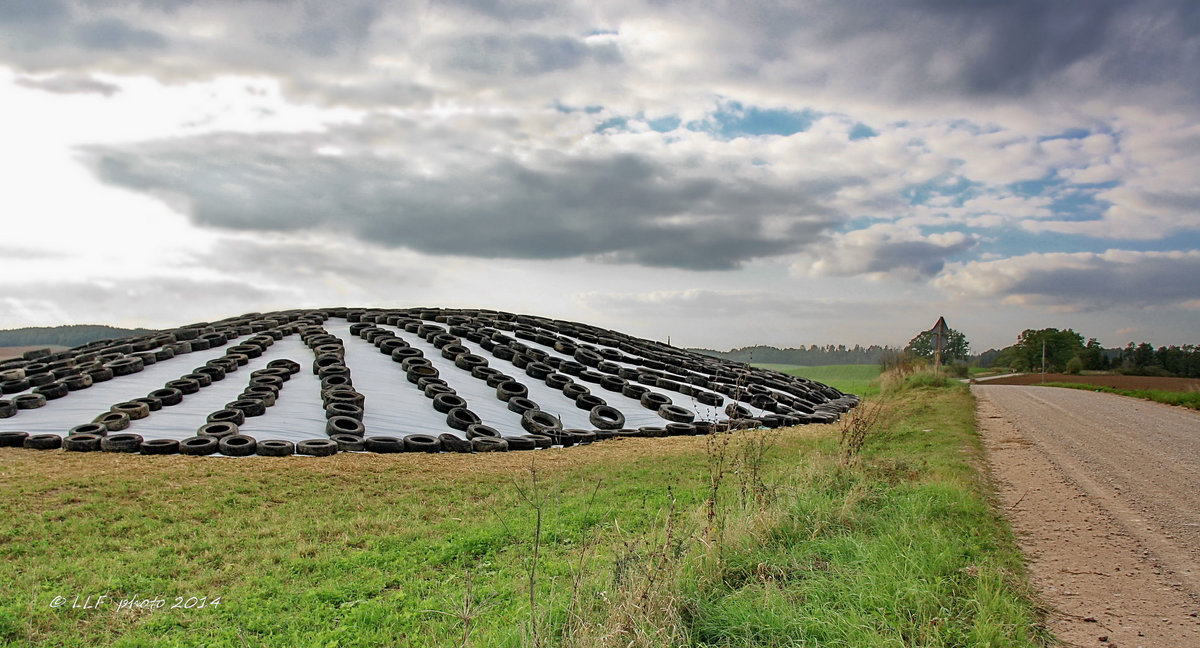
x=852 y=379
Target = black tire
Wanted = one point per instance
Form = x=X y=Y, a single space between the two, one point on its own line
x=121 y=443
x=422 y=443
x=733 y=410
x=676 y=414
x=13 y=439
x=653 y=431
x=125 y=366
x=584 y=437
x=540 y=440
x=635 y=391
x=344 y=409
x=153 y=404
x=470 y=362
x=82 y=443
x=227 y=416
x=496 y=379
x=538 y=371
x=483 y=373
x=334 y=382
x=384 y=444
x=168 y=396
x=248 y=406
x=574 y=390
x=214 y=373
x=77 y=382
x=160 y=447
x=317 y=447
x=521 y=405
x=199 y=445
x=489 y=444
x=135 y=411
x=481 y=430
x=238 y=445
x=539 y=422
x=680 y=429
x=43 y=442
x=348 y=442
x=605 y=417
x=604 y=435
x=712 y=399
x=113 y=421
x=454 y=443
x=400 y=354
x=461 y=418
x=510 y=389
x=99 y=374
x=204 y=380
x=591 y=376
x=344 y=395
x=613 y=383
x=589 y=402
x=14 y=386
x=267 y=394
x=276 y=448
x=184 y=385
x=445 y=402
x=7 y=408
x=416 y=372
x=218 y=430
x=654 y=400
x=291 y=366
x=558 y=381
x=40 y=380
x=29 y=401
x=52 y=390
x=94 y=429
x=344 y=425
x=521 y=443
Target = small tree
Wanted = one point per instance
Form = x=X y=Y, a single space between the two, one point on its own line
x=955 y=346
x=1074 y=366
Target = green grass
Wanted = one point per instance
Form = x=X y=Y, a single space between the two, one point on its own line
x=1184 y=399
x=851 y=379
x=899 y=548
x=903 y=550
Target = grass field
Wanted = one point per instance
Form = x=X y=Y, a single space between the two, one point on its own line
x=852 y=379
x=763 y=538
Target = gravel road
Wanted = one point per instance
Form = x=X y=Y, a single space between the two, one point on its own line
x=1103 y=492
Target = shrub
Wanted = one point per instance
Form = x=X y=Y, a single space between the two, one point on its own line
x=1074 y=366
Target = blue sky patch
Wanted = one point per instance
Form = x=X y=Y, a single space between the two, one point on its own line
x=862 y=131
x=733 y=120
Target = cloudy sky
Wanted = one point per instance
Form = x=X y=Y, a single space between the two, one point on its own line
x=723 y=173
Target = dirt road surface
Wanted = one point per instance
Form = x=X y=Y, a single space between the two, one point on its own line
x=1103 y=493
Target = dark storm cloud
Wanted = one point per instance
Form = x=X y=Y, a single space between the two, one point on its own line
x=905 y=50
x=921 y=258
x=113 y=34
x=523 y=55
x=1145 y=280
x=621 y=208
x=1084 y=281
x=985 y=48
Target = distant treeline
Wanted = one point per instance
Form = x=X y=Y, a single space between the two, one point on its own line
x=812 y=356
x=69 y=336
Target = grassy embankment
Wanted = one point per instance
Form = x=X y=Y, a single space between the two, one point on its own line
x=784 y=538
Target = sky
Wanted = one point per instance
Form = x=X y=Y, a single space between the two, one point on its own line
x=718 y=173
